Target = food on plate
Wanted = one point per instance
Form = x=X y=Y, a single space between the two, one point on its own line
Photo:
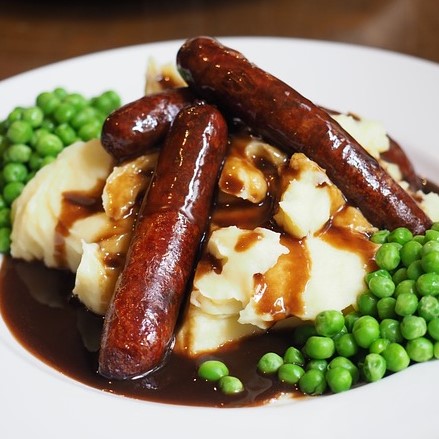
x=286 y=256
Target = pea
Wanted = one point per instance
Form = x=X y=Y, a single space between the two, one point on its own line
x=103 y=103
x=13 y=172
x=399 y=275
x=413 y=327
x=60 y=92
x=19 y=131
x=76 y=100
x=379 y=345
x=436 y=349
x=48 y=102
x=367 y=304
x=269 y=363
x=350 y=319
x=5 y=217
x=294 y=356
x=433 y=328
x=12 y=190
x=419 y=238
x=5 y=240
x=329 y=323
x=66 y=133
x=377 y=273
x=83 y=117
x=366 y=330
x=428 y=284
x=338 y=379
x=387 y=256
x=19 y=153
x=302 y=333
x=390 y=330
x=290 y=373
x=46 y=160
x=406 y=304
x=430 y=262
x=410 y=252
x=91 y=130
x=407 y=286
x=381 y=286
x=34 y=116
x=435 y=226
x=374 y=367
x=49 y=144
x=414 y=270
x=64 y=112
x=431 y=235
x=430 y=246
x=347 y=364
x=346 y=345
x=313 y=382
x=212 y=370
x=420 y=349
x=401 y=235
x=396 y=357
x=15 y=114
x=35 y=161
x=319 y=347
x=386 y=308
x=380 y=237
x=230 y=385
x=428 y=308
x=320 y=365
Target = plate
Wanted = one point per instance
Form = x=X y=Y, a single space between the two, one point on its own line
x=400 y=91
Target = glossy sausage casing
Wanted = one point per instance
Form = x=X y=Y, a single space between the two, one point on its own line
x=138 y=126
x=288 y=120
x=140 y=322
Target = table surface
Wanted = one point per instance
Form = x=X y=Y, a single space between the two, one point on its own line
x=33 y=34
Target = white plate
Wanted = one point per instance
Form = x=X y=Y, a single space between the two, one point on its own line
x=403 y=93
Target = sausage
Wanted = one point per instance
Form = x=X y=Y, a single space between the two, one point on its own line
x=290 y=121
x=138 y=126
x=139 y=324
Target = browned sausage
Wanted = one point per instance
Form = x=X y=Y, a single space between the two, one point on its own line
x=141 y=318
x=292 y=122
x=140 y=125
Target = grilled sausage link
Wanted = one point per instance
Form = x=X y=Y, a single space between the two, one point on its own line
x=290 y=121
x=139 y=325
x=140 y=125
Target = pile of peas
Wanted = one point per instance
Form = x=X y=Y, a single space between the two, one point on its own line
x=395 y=322
x=31 y=137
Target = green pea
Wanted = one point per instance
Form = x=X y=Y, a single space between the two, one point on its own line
x=346 y=345
x=269 y=363
x=410 y=252
x=399 y=275
x=313 y=382
x=320 y=365
x=386 y=308
x=414 y=270
x=66 y=133
x=5 y=239
x=431 y=235
x=302 y=333
x=290 y=373
x=19 y=132
x=103 y=103
x=406 y=304
x=338 y=379
x=49 y=144
x=428 y=308
x=435 y=226
x=387 y=256
x=319 y=348
x=230 y=385
x=428 y=284
x=47 y=160
x=374 y=367
x=12 y=190
x=436 y=349
x=329 y=323
x=60 y=92
x=380 y=237
x=396 y=357
x=19 y=153
x=48 y=102
x=64 y=112
x=407 y=286
x=91 y=130
x=366 y=330
x=2 y=202
x=420 y=349
x=401 y=235
x=350 y=319
x=390 y=330
x=430 y=246
x=381 y=286
x=430 y=262
x=83 y=117
x=48 y=125
x=76 y=100
x=347 y=364
x=13 y=172
x=5 y=217
x=294 y=356
x=35 y=161
x=367 y=304
x=377 y=273
x=379 y=345
x=413 y=327
x=15 y=114
x=34 y=116
x=419 y=238
x=212 y=370
x=433 y=328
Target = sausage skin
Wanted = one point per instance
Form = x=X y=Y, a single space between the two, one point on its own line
x=140 y=321
x=138 y=126
x=290 y=121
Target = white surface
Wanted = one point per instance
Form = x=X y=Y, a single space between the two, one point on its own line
x=402 y=92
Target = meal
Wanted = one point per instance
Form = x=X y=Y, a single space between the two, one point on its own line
x=223 y=213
